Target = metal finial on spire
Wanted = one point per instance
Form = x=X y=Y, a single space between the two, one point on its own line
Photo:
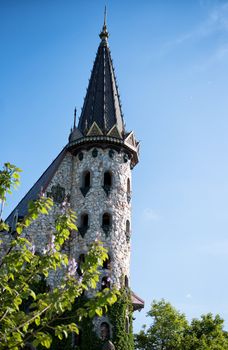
x=105 y=16
x=104 y=33
x=75 y=112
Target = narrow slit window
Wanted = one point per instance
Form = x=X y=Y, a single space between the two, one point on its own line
x=128 y=190
x=105 y=283
x=106 y=263
x=107 y=184
x=128 y=231
x=84 y=224
x=126 y=281
x=86 y=183
x=81 y=260
x=107 y=179
x=106 y=221
x=87 y=179
x=85 y=220
x=104 y=331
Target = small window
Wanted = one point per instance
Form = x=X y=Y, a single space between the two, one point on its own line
x=128 y=232
x=106 y=263
x=105 y=283
x=87 y=179
x=107 y=182
x=84 y=225
x=104 y=331
x=81 y=260
x=85 y=220
x=86 y=183
x=106 y=223
x=128 y=190
x=126 y=281
x=106 y=219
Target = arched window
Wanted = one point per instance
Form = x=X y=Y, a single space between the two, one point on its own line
x=84 y=224
x=106 y=223
x=107 y=182
x=128 y=190
x=104 y=331
x=81 y=260
x=105 y=282
x=86 y=182
x=106 y=263
x=128 y=231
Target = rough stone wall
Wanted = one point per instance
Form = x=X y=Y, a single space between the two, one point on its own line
x=96 y=202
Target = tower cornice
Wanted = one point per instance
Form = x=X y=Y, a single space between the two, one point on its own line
x=101 y=141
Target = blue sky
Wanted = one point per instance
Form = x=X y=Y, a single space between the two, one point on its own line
x=171 y=60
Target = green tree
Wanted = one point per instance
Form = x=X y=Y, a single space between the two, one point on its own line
x=32 y=313
x=171 y=331
x=206 y=333
x=167 y=330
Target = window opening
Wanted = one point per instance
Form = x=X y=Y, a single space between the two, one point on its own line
x=81 y=261
x=128 y=232
x=106 y=223
x=106 y=263
x=128 y=190
x=107 y=182
x=105 y=282
x=86 y=182
x=104 y=331
x=84 y=224
x=126 y=281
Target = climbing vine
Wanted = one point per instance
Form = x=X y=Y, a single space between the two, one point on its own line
x=120 y=316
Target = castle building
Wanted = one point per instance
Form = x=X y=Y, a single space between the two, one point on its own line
x=94 y=172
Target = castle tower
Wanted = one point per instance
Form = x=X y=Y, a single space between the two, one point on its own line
x=94 y=171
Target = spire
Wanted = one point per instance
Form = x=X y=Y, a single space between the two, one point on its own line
x=104 y=33
x=102 y=102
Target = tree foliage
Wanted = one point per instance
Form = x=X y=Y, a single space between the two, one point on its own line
x=170 y=330
x=28 y=312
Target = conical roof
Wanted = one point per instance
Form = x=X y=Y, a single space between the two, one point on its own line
x=102 y=102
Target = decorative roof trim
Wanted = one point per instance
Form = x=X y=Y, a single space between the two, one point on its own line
x=113 y=130
x=94 y=128
x=129 y=137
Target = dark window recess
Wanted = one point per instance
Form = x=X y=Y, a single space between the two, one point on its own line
x=81 y=261
x=106 y=223
x=107 y=182
x=126 y=281
x=111 y=153
x=105 y=283
x=84 y=224
x=104 y=331
x=128 y=232
x=106 y=263
x=128 y=190
x=80 y=155
x=94 y=153
x=85 y=183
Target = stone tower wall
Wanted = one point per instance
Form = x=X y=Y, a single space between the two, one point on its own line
x=96 y=202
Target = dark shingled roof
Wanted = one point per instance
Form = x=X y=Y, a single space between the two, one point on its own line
x=102 y=102
x=40 y=185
